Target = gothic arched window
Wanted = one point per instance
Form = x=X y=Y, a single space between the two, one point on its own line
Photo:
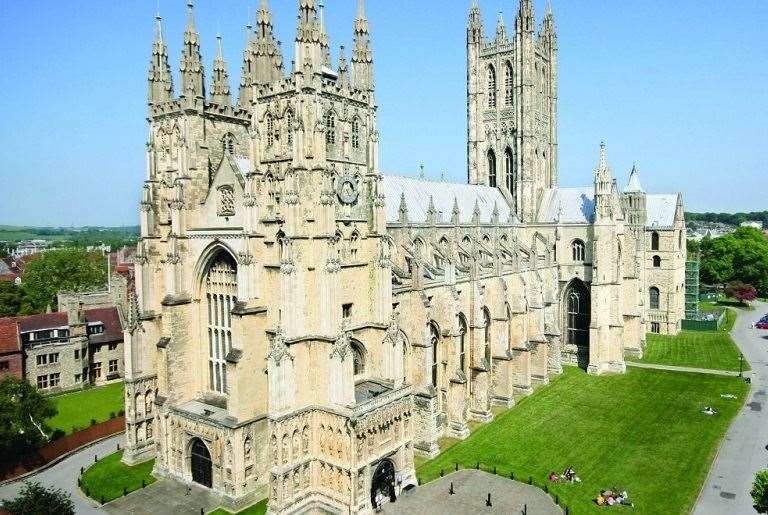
x=355 y=134
x=509 y=172
x=509 y=84
x=655 y=241
x=462 y=340
x=434 y=337
x=655 y=296
x=491 y=87
x=358 y=359
x=270 y=130
x=220 y=285
x=229 y=144
x=656 y=261
x=491 y=169
x=578 y=250
x=487 y=335
x=330 y=129
x=289 y=128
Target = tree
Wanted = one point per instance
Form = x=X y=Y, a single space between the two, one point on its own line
x=62 y=270
x=740 y=256
x=760 y=491
x=11 y=298
x=35 y=499
x=744 y=293
x=22 y=419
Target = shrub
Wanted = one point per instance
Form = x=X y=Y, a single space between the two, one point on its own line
x=35 y=499
x=760 y=492
x=93 y=421
x=57 y=434
x=111 y=415
x=121 y=412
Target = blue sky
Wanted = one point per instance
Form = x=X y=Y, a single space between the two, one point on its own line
x=680 y=87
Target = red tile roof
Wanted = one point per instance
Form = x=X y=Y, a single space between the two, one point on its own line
x=9 y=336
x=10 y=277
x=113 y=329
x=43 y=321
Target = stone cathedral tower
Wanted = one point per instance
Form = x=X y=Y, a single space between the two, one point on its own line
x=256 y=366
x=512 y=107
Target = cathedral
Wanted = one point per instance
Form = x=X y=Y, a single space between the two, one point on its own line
x=303 y=323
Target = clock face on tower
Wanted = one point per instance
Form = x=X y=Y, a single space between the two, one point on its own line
x=347 y=189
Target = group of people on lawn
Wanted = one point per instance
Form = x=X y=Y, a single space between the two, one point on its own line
x=606 y=498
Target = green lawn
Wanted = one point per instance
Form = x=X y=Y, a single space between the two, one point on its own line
x=642 y=431
x=698 y=349
x=104 y=481
x=260 y=508
x=76 y=409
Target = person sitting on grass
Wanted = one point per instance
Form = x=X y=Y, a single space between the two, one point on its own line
x=571 y=476
x=554 y=477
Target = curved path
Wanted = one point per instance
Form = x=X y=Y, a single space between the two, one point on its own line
x=64 y=475
x=743 y=451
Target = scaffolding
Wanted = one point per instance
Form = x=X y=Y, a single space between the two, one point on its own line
x=692 y=289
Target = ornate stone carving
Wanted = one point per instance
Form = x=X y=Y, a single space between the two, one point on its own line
x=226 y=200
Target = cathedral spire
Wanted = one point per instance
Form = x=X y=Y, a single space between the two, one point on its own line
x=192 y=71
x=603 y=187
x=310 y=52
x=267 y=59
x=525 y=22
x=475 y=24
x=160 y=78
x=501 y=29
x=343 y=68
x=245 y=97
x=220 y=94
x=634 y=186
x=362 y=54
x=325 y=41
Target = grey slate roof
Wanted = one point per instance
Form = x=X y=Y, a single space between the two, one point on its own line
x=418 y=191
x=575 y=205
x=661 y=209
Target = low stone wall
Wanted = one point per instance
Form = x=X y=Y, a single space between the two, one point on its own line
x=62 y=446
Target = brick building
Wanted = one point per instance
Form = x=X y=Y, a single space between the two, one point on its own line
x=11 y=357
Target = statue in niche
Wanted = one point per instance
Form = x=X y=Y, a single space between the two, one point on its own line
x=305 y=440
x=226 y=205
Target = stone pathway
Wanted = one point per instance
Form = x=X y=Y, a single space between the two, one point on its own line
x=65 y=473
x=743 y=451
x=672 y=368
x=472 y=488
x=165 y=496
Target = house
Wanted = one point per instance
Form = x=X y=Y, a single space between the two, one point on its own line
x=11 y=357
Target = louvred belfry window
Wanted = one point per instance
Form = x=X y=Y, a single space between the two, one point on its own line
x=221 y=295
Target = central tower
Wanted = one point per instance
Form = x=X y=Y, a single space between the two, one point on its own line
x=512 y=107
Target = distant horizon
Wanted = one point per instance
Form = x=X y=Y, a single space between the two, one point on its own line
x=656 y=80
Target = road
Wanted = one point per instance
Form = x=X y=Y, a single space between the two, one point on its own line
x=743 y=452
x=65 y=473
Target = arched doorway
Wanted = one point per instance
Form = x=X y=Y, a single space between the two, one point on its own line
x=383 y=483
x=200 y=463
x=578 y=310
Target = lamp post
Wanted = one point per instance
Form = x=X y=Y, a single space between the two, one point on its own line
x=741 y=365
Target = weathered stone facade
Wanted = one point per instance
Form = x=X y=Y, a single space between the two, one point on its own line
x=303 y=324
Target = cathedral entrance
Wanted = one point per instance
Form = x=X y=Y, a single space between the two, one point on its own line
x=577 y=319
x=202 y=467
x=383 y=483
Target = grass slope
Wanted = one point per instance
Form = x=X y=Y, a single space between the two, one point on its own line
x=76 y=409
x=642 y=431
x=260 y=508
x=697 y=349
x=104 y=481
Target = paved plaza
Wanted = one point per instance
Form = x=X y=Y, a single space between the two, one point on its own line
x=165 y=496
x=471 y=491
